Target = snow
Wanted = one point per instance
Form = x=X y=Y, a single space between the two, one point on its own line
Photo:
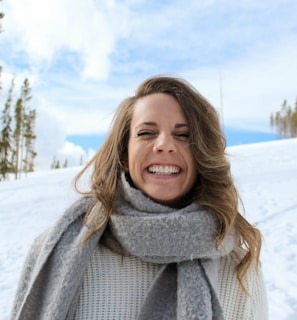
x=265 y=174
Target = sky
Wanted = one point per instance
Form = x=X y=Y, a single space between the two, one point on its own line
x=268 y=193
x=83 y=58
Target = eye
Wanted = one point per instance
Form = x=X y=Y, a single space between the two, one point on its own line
x=145 y=133
x=184 y=136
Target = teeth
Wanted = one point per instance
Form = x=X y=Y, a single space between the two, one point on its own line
x=163 y=169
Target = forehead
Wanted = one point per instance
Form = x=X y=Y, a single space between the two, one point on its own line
x=158 y=106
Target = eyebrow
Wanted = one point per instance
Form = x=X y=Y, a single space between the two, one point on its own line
x=154 y=124
x=181 y=125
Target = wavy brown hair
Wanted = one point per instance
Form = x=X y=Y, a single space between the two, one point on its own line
x=215 y=188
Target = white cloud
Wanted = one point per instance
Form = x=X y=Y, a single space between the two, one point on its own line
x=252 y=87
x=42 y=29
x=82 y=107
x=51 y=137
x=51 y=143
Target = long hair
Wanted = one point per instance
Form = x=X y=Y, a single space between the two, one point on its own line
x=215 y=188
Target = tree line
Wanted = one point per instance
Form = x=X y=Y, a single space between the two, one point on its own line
x=285 y=120
x=17 y=135
x=56 y=164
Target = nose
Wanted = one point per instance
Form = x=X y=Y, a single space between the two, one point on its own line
x=164 y=143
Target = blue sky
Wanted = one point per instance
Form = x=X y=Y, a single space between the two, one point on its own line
x=83 y=57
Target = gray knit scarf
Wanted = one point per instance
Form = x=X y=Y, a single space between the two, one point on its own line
x=182 y=240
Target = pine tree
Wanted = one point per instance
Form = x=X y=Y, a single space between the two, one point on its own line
x=271 y=119
x=53 y=164
x=24 y=134
x=26 y=97
x=29 y=141
x=17 y=137
x=6 y=139
x=294 y=121
x=56 y=164
x=285 y=121
x=65 y=165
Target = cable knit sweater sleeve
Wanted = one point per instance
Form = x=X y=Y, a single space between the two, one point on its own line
x=259 y=300
x=236 y=303
x=28 y=273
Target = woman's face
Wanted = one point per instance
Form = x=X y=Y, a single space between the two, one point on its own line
x=160 y=160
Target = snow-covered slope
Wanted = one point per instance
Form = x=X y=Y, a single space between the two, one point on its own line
x=265 y=174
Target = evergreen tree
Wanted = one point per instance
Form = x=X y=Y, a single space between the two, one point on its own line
x=17 y=137
x=271 y=119
x=53 y=165
x=56 y=164
x=65 y=165
x=5 y=139
x=294 y=121
x=285 y=121
x=24 y=137
x=29 y=141
x=26 y=97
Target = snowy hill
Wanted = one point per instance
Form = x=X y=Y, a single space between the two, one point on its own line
x=265 y=174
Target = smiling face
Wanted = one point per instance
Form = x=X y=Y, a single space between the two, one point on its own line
x=160 y=160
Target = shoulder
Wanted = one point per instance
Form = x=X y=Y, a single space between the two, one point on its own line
x=73 y=215
x=251 y=305
x=43 y=245
x=76 y=210
x=47 y=240
x=51 y=257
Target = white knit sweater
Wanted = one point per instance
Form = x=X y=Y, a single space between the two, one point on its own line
x=114 y=288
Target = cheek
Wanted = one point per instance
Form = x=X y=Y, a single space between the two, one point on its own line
x=134 y=159
x=189 y=159
x=192 y=170
x=137 y=152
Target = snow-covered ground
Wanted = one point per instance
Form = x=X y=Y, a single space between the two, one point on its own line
x=265 y=174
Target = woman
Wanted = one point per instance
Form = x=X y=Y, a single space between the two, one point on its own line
x=159 y=235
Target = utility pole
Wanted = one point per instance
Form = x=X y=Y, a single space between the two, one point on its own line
x=221 y=98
